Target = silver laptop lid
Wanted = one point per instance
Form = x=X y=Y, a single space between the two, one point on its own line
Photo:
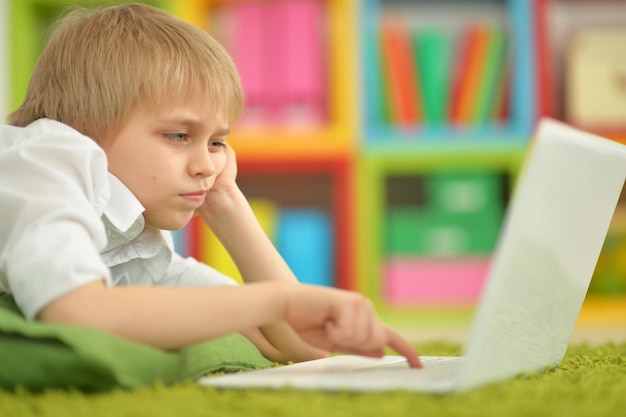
x=554 y=230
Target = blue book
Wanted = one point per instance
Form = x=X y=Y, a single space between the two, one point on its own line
x=304 y=238
x=181 y=244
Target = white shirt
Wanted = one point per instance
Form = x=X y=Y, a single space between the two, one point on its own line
x=66 y=221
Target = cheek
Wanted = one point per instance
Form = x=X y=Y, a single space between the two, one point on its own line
x=219 y=160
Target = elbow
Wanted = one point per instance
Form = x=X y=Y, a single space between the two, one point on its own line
x=77 y=308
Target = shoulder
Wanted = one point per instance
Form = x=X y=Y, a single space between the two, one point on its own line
x=50 y=154
x=44 y=131
x=48 y=138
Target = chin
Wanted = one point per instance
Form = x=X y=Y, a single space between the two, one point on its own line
x=169 y=224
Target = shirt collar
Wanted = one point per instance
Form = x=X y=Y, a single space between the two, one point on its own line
x=123 y=209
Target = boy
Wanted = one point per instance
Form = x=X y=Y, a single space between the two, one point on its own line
x=121 y=138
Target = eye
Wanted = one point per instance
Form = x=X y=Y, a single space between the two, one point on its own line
x=177 y=137
x=217 y=145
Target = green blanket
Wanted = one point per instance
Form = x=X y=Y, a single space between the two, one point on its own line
x=37 y=356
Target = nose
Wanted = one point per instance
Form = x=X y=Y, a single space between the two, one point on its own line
x=200 y=163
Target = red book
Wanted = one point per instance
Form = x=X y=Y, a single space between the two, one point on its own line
x=472 y=55
x=399 y=71
x=408 y=73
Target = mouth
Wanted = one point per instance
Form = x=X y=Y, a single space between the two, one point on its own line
x=196 y=197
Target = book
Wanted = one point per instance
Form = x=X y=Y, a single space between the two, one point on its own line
x=400 y=72
x=433 y=51
x=469 y=69
x=377 y=111
x=502 y=100
x=180 y=238
x=304 y=238
x=248 y=44
x=595 y=78
x=301 y=80
x=491 y=78
x=460 y=61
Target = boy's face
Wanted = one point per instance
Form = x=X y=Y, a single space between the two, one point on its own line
x=169 y=158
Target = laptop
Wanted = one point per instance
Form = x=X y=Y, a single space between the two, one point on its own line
x=552 y=235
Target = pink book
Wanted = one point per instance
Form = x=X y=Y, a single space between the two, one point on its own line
x=300 y=80
x=248 y=48
x=423 y=281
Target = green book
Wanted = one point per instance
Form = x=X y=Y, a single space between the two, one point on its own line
x=376 y=96
x=433 y=50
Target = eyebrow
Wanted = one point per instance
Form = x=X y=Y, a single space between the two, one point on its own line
x=191 y=122
x=222 y=132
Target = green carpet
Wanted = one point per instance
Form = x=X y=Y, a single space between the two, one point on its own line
x=591 y=381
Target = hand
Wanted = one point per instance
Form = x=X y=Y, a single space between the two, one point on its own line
x=226 y=179
x=342 y=321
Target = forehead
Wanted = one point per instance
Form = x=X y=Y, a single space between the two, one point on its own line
x=197 y=98
x=193 y=97
x=194 y=109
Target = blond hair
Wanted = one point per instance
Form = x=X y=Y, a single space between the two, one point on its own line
x=101 y=63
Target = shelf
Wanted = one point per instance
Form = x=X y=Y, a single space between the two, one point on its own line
x=335 y=138
x=516 y=16
x=375 y=168
x=347 y=165
x=564 y=27
x=600 y=310
x=323 y=184
x=289 y=145
x=601 y=320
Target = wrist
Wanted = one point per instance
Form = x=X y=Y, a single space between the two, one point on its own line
x=220 y=203
x=278 y=295
x=223 y=197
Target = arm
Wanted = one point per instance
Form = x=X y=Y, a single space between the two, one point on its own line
x=258 y=261
x=172 y=318
x=229 y=215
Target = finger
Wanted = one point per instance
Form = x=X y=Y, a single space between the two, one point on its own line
x=377 y=333
x=364 y=324
x=343 y=326
x=403 y=347
x=318 y=338
x=371 y=332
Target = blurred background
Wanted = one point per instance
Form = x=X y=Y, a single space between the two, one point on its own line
x=382 y=138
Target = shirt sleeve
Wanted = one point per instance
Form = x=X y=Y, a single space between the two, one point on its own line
x=53 y=190
x=188 y=272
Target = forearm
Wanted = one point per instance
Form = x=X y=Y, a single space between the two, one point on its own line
x=235 y=225
x=257 y=259
x=168 y=318
x=172 y=318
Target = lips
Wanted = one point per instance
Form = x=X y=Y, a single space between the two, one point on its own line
x=197 y=196
x=195 y=193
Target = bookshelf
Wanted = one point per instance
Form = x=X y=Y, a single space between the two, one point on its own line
x=578 y=41
x=431 y=192
x=580 y=76
x=335 y=136
x=450 y=26
x=4 y=52
x=308 y=153
x=323 y=186
x=298 y=164
x=372 y=173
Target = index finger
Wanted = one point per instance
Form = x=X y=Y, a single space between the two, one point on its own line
x=403 y=347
